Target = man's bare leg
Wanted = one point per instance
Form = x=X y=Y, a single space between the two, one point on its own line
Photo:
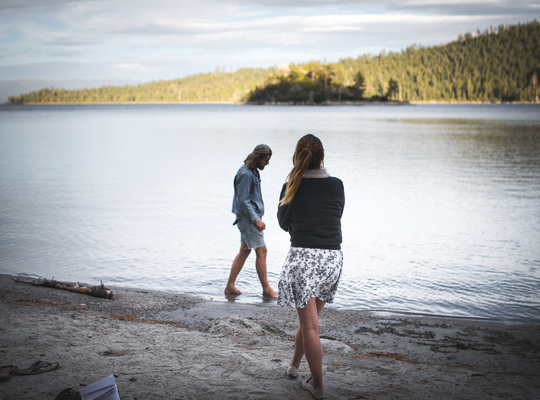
x=260 y=265
x=236 y=267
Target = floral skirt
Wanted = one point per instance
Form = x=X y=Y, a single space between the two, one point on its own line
x=308 y=273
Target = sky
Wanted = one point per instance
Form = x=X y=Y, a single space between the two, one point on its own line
x=144 y=41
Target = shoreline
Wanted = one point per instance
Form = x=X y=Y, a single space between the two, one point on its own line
x=250 y=299
x=328 y=103
x=161 y=345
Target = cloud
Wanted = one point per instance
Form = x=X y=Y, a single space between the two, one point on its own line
x=41 y=4
x=130 y=67
x=166 y=38
x=455 y=7
x=72 y=40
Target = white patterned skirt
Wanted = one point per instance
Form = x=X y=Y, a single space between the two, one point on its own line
x=308 y=273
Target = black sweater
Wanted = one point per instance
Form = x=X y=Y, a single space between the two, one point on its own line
x=313 y=217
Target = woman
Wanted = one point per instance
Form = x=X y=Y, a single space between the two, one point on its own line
x=310 y=209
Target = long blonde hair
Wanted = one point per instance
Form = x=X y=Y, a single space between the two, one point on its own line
x=309 y=154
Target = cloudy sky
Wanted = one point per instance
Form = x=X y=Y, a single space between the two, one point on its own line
x=164 y=39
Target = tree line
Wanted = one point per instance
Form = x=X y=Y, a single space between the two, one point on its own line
x=501 y=64
x=311 y=83
x=498 y=64
x=201 y=88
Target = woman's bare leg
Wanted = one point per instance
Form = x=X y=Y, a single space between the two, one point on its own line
x=299 y=342
x=309 y=337
x=298 y=348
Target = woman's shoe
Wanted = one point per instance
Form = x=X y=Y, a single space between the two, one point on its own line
x=316 y=393
x=292 y=371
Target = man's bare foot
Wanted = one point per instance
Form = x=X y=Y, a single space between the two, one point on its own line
x=232 y=290
x=270 y=293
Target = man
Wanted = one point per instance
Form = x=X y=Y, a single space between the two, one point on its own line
x=248 y=207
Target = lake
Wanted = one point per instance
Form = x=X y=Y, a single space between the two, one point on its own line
x=442 y=212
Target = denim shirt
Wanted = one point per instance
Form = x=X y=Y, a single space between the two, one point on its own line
x=247 y=201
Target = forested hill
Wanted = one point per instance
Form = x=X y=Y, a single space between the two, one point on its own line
x=499 y=64
x=201 y=88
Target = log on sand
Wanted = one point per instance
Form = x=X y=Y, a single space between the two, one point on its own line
x=96 y=291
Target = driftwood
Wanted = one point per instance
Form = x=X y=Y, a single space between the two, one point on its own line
x=96 y=291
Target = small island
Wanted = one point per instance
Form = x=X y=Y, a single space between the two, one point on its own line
x=316 y=83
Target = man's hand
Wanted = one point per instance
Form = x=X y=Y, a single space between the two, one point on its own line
x=261 y=225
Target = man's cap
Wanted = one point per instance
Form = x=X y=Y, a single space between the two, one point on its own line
x=261 y=149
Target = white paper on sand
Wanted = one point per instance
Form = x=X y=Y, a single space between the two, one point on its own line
x=104 y=389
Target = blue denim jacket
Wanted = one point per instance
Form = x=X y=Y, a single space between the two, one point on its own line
x=247 y=201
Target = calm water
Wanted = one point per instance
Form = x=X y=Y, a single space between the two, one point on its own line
x=442 y=211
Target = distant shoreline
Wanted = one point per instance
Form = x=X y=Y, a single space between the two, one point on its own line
x=329 y=103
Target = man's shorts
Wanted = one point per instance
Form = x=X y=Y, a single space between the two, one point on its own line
x=250 y=234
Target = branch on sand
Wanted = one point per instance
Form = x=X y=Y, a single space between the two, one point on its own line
x=96 y=291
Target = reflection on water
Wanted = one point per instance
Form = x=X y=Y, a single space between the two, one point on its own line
x=441 y=214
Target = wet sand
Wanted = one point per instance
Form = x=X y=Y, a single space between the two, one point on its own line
x=172 y=346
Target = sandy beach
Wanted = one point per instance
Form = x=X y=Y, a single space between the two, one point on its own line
x=172 y=346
